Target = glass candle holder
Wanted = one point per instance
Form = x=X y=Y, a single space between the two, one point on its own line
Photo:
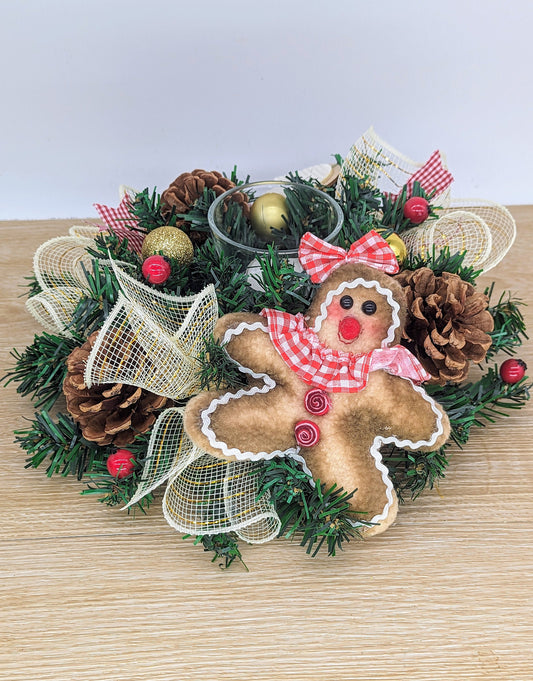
x=239 y=233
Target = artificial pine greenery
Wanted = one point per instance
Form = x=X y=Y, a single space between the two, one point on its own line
x=40 y=369
x=509 y=327
x=469 y=404
x=114 y=491
x=60 y=445
x=225 y=548
x=319 y=518
x=279 y=286
x=308 y=511
x=392 y=208
x=146 y=209
x=216 y=368
x=444 y=261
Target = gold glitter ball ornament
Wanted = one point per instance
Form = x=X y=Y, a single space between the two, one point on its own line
x=169 y=241
x=398 y=246
x=269 y=212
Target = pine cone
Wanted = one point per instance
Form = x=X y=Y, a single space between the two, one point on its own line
x=107 y=413
x=188 y=187
x=447 y=323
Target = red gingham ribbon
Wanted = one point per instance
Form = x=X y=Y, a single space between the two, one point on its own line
x=331 y=370
x=319 y=258
x=120 y=221
x=431 y=176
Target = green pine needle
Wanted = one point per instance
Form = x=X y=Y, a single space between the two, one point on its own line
x=146 y=209
x=224 y=546
x=444 y=261
x=509 y=325
x=392 y=217
x=33 y=287
x=59 y=445
x=113 y=491
x=217 y=369
x=280 y=286
x=40 y=369
x=320 y=517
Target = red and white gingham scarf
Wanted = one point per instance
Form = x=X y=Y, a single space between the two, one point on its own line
x=332 y=370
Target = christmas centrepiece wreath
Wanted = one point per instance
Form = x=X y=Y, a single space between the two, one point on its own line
x=284 y=359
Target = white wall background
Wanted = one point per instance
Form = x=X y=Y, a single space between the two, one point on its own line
x=102 y=92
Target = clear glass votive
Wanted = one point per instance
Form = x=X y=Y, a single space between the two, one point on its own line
x=307 y=210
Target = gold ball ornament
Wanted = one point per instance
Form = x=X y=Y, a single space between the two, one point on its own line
x=398 y=247
x=169 y=241
x=268 y=213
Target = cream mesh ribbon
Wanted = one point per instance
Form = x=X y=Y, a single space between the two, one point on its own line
x=204 y=495
x=383 y=166
x=485 y=230
x=58 y=265
x=152 y=339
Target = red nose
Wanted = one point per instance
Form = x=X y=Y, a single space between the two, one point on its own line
x=349 y=328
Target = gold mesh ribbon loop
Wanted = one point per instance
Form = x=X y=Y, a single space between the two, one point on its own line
x=54 y=308
x=212 y=496
x=169 y=452
x=131 y=349
x=204 y=495
x=497 y=220
x=459 y=231
x=378 y=163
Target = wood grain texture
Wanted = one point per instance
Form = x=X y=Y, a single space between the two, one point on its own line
x=87 y=592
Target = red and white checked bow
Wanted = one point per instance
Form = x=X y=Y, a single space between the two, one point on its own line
x=121 y=222
x=332 y=370
x=319 y=258
x=432 y=176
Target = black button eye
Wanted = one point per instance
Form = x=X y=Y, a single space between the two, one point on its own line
x=368 y=307
x=346 y=302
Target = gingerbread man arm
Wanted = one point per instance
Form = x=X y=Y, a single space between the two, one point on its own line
x=246 y=423
x=416 y=420
x=243 y=425
x=247 y=342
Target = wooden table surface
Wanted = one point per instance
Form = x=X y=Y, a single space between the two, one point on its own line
x=87 y=592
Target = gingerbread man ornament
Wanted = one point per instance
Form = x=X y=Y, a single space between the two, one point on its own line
x=328 y=388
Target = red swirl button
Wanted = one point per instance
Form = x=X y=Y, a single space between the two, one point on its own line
x=317 y=402
x=307 y=433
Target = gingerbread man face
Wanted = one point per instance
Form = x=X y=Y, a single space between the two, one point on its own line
x=359 y=310
x=328 y=388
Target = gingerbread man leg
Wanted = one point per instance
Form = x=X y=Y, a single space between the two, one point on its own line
x=389 y=410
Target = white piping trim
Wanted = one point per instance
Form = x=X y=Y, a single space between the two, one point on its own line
x=367 y=284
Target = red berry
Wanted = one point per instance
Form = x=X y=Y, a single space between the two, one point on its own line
x=121 y=463
x=513 y=370
x=156 y=269
x=416 y=209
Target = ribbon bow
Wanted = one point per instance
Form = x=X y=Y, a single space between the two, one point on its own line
x=320 y=259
